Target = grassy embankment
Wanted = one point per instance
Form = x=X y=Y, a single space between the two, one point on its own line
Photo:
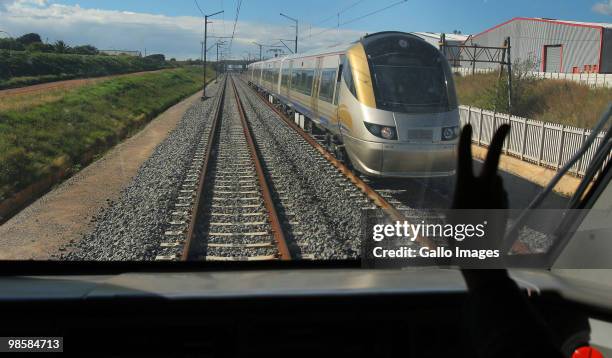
x=563 y=102
x=40 y=136
x=24 y=68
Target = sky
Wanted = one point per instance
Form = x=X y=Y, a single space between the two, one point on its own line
x=175 y=27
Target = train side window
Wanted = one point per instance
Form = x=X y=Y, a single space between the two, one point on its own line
x=309 y=76
x=285 y=78
x=337 y=92
x=326 y=92
x=295 y=79
x=338 y=81
x=347 y=74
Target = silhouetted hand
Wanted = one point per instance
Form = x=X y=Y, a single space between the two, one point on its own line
x=485 y=191
x=500 y=320
x=481 y=198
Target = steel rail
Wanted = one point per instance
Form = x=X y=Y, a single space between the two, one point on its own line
x=277 y=231
x=371 y=193
x=209 y=145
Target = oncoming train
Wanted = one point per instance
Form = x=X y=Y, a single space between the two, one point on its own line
x=386 y=104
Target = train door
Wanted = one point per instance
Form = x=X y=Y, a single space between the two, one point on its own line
x=337 y=101
x=260 y=75
x=314 y=98
x=287 y=65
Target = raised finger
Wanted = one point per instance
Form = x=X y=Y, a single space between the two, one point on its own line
x=464 y=161
x=492 y=161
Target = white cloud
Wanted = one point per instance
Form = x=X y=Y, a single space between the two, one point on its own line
x=177 y=36
x=604 y=8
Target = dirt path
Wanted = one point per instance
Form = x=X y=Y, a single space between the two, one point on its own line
x=63 y=215
x=67 y=84
x=534 y=173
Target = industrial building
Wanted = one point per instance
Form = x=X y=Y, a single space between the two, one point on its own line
x=552 y=45
x=122 y=53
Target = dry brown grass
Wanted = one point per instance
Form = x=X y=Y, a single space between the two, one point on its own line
x=24 y=101
x=571 y=103
x=563 y=102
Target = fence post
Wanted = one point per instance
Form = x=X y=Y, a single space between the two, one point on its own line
x=579 y=163
x=480 y=127
x=469 y=116
x=560 y=155
x=505 y=147
x=524 y=139
x=541 y=151
x=493 y=127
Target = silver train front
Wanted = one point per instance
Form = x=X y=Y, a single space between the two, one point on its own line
x=418 y=152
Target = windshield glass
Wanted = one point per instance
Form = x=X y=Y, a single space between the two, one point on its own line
x=409 y=75
x=410 y=86
x=140 y=132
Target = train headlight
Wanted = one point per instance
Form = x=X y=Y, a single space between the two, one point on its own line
x=450 y=133
x=385 y=132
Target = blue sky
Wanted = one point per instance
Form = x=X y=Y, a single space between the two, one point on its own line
x=471 y=16
x=174 y=27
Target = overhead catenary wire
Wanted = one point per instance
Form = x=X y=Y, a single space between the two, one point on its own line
x=340 y=12
x=238 y=6
x=361 y=17
x=374 y=12
x=199 y=8
x=223 y=16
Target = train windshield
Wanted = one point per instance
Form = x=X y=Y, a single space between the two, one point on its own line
x=409 y=75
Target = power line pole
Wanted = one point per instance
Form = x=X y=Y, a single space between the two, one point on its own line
x=219 y=43
x=283 y=42
x=206 y=50
x=260 y=46
x=296 y=30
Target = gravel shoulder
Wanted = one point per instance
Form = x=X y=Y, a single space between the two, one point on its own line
x=47 y=228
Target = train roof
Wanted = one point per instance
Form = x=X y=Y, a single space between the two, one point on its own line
x=343 y=47
x=320 y=51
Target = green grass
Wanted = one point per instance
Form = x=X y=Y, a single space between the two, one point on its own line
x=34 y=140
x=563 y=102
x=22 y=68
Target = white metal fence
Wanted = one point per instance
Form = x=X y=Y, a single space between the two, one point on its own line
x=589 y=79
x=546 y=144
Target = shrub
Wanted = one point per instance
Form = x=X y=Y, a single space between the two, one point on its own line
x=84 y=50
x=556 y=101
x=34 y=64
x=40 y=47
x=30 y=38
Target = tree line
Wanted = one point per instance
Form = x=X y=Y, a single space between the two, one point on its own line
x=32 y=42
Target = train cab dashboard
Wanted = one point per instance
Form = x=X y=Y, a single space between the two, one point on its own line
x=296 y=312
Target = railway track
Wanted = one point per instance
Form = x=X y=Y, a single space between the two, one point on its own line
x=226 y=210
